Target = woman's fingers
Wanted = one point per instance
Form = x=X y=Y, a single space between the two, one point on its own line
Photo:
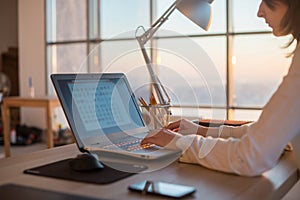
x=162 y=137
x=174 y=125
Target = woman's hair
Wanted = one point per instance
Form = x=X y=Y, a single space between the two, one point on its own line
x=291 y=21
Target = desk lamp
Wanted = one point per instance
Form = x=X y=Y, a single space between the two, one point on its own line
x=198 y=11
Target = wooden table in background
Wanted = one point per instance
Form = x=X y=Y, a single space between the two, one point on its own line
x=44 y=101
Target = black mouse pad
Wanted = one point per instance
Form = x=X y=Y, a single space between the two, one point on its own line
x=62 y=170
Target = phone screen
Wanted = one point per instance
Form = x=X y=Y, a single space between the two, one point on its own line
x=162 y=188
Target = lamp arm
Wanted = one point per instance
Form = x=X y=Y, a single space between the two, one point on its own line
x=158 y=87
x=142 y=40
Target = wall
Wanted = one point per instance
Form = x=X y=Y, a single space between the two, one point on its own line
x=8 y=24
x=32 y=56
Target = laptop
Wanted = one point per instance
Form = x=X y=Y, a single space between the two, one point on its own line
x=104 y=116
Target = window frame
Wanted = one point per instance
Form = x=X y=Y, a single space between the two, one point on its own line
x=94 y=37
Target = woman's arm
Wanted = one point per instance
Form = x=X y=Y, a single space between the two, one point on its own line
x=187 y=127
x=225 y=131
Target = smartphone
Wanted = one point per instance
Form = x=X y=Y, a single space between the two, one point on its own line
x=162 y=188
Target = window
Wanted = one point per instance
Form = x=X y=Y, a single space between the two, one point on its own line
x=228 y=72
x=255 y=80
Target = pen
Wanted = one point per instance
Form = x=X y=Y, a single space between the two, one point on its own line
x=153 y=100
x=144 y=103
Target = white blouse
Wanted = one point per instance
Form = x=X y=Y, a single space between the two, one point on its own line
x=250 y=150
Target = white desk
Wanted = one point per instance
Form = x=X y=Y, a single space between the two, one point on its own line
x=210 y=184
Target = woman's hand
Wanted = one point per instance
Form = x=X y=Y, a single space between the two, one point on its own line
x=187 y=127
x=162 y=137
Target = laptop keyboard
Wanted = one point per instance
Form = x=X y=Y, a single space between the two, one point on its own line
x=130 y=145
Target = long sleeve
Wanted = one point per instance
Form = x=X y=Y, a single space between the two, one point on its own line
x=260 y=147
x=225 y=131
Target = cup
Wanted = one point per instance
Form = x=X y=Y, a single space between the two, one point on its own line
x=156 y=116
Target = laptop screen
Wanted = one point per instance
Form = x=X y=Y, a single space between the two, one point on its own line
x=98 y=103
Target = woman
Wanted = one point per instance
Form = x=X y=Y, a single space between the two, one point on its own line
x=252 y=149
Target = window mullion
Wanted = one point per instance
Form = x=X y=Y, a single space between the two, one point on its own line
x=229 y=52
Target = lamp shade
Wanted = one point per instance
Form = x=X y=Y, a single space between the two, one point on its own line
x=198 y=11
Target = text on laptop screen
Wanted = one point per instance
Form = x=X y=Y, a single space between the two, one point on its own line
x=105 y=105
